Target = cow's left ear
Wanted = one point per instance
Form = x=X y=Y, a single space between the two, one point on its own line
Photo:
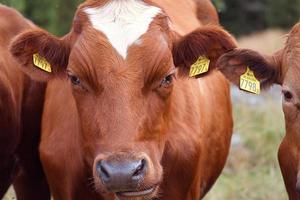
x=197 y=53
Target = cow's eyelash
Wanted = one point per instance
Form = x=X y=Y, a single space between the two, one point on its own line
x=168 y=80
x=74 y=79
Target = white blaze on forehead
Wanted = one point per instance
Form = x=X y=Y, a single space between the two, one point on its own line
x=123 y=21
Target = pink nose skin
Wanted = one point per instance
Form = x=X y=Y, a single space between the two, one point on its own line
x=121 y=175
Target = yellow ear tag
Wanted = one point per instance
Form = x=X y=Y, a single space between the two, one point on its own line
x=201 y=66
x=249 y=83
x=41 y=63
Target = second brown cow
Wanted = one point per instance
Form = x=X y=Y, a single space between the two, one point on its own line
x=21 y=106
x=280 y=68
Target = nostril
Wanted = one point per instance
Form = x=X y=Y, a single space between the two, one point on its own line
x=102 y=171
x=140 y=169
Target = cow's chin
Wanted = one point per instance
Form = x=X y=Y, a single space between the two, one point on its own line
x=143 y=194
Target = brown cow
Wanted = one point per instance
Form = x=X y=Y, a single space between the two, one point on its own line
x=117 y=122
x=282 y=68
x=21 y=103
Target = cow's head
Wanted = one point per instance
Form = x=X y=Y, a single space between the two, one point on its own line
x=283 y=67
x=122 y=60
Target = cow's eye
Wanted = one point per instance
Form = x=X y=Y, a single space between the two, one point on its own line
x=74 y=79
x=167 y=81
x=288 y=96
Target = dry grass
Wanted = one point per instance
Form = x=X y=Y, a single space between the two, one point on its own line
x=10 y=195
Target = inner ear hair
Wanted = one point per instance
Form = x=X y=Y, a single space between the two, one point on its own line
x=53 y=49
x=210 y=41
x=235 y=62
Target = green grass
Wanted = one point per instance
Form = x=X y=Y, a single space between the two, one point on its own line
x=252 y=171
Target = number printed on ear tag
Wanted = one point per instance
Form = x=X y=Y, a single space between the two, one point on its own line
x=41 y=63
x=201 y=66
x=249 y=83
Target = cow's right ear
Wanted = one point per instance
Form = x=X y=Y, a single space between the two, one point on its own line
x=40 y=55
x=266 y=69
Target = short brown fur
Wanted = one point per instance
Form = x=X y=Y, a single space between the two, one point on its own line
x=112 y=109
x=21 y=104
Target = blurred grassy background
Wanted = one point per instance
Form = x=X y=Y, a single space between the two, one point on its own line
x=252 y=170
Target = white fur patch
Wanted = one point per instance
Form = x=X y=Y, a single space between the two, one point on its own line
x=123 y=21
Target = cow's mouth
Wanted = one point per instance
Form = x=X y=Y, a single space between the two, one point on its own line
x=139 y=193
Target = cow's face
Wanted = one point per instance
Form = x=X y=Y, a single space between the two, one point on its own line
x=122 y=87
x=121 y=59
x=290 y=70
